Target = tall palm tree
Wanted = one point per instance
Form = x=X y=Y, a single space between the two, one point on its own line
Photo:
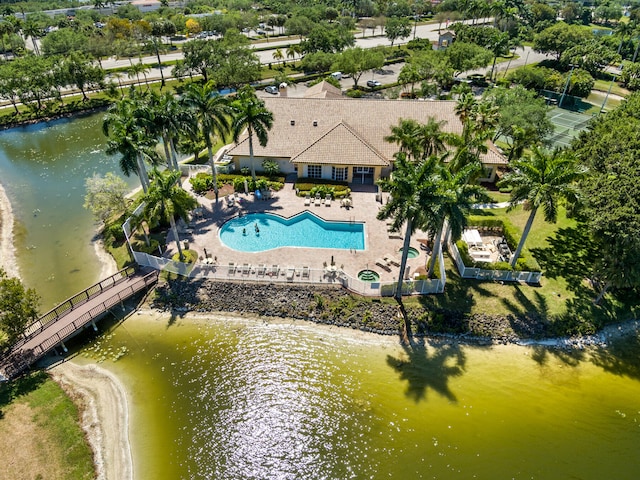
x=211 y=113
x=404 y=136
x=127 y=136
x=419 y=140
x=413 y=189
x=166 y=200
x=455 y=196
x=33 y=30
x=278 y=55
x=250 y=113
x=541 y=180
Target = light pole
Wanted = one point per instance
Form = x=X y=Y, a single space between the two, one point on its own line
x=566 y=86
x=606 y=97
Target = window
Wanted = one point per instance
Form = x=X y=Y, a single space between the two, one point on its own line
x=314 y=171
x=339 y=174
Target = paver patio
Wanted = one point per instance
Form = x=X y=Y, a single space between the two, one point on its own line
x=203 y=233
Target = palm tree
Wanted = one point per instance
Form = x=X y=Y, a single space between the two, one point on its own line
x=33 y=30
x=277 y=55
x=542 y=180
x=166 y=200
x=455 y=196
x=127 y=136
x=624 y=29
x=412 y=189
x=403 y=135
x=211 y=114
x=250 y=113
x=6 y=28
x=293 y=50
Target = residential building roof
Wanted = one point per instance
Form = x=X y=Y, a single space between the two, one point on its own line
x=323 y=90
x=303 y=127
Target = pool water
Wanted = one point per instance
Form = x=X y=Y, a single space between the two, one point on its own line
x=258 y=232
x=413 y=252
x=369 y=276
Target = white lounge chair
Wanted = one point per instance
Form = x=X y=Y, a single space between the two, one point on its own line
x=383 y=264
x=232 y=268
x=390 y=259
x=246 y=269
x=275 y=270
x=305 y=273
x=318 y=201
x=290 y=274
x=327 y=201
x=307 y=200
x=262 y=270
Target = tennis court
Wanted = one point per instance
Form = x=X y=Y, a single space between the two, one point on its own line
x=567 y=126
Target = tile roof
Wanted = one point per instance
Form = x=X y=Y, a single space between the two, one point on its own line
x=341 y=145
x=323 y=90
x=299 y=123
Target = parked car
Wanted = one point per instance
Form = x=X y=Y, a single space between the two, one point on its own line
x=272 y=89
x=373 y=83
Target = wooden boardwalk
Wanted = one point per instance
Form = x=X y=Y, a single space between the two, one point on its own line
x=64 y=321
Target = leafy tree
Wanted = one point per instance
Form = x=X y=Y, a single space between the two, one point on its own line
x=299 y=25
x=250 y=113
x=542 y=180
x=105 y=195
x=63 y=42
x=166 y=200
x=356 y=61
x=537 y=78
x=523 y=117
x=419 y=140
x=317 y=62
x=18 y=306
x=467 y=56
x=581 y=83
x=560 y=37
x=592 y=57
x=397 y=28
x=610 y=148
x=328 y=38
x=81 y=73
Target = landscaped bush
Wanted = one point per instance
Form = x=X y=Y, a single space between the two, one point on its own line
x=188 y=256
x=354 y=93
x=141 y=246
x=203 y=182
x=309 y=185
x=114 y=232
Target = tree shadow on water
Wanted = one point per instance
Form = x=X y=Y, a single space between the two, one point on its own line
x=620 y=357
x=428 y=369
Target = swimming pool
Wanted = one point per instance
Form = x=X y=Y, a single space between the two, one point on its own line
x=258 y=232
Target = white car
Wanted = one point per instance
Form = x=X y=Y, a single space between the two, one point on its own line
x=373 y=83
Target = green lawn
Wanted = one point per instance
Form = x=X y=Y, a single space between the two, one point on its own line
x=564 y=298
x=44 y=438
x=603 y=86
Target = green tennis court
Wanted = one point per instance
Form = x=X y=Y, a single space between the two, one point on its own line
x=567 y=126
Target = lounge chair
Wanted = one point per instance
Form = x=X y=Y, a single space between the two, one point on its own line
x=262 y=269
x=246 y=269
x=275 y=269
x=327 y=201
x=390 y=259
x=305 y=272
x=232 y=268
x=290 y=274
x=230 y=201
x=383 y=264
x=307 y=200
x=318 y=201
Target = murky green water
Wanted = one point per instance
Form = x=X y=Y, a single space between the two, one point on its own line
x=43 y=168
x=237 y=399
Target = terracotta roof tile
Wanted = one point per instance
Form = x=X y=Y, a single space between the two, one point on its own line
x=300 y=122
x=341 y=145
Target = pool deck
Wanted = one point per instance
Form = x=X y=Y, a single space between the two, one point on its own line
x=203 y=233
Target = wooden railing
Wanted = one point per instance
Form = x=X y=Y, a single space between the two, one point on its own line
x=16 y=360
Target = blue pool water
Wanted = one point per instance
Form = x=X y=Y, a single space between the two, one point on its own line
x=303 y=230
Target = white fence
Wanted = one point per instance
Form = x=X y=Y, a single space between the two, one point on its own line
x=286 y=274
x=481 y=274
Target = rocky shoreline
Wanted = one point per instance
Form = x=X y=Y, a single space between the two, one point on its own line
x=332 y=305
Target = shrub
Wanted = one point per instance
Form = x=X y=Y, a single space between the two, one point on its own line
x=115 y=232
x=151 y=249
x=354 y=93
x=201 y=183
x=189 y=256
x=271 y=168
